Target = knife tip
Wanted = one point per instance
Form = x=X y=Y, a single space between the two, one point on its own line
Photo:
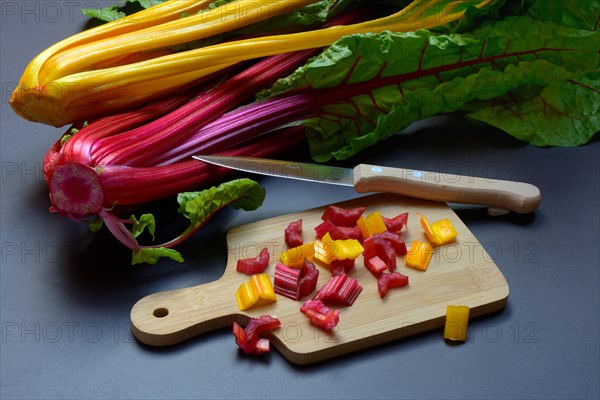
x=215 y=160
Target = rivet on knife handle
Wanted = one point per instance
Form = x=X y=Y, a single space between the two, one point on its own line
x=519 y=197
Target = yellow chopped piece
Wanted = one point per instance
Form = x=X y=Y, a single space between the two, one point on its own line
x=256 y=291
x=326 y=239
x=295 y=256
x=348 y=249
x=419 y=255
x=328 y=250
x=325 y=251
x=246 y=296
x=262 y=284
x=371 y=224
x=440 y=232
x=457 y=323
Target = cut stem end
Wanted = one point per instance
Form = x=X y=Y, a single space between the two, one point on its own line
x=76 y=190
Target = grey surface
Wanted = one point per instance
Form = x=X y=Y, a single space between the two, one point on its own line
x=66 y=293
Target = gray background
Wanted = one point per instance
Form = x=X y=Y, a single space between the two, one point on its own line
x=66 y=293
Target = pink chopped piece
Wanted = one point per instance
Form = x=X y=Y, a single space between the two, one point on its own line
x=293 y=234
x=395 y=240
x=385 y=251
x=320 y=315
x=256 y=265
x=387 y=281
x=342 y=217
x=286 y=281
x=376 y=265
x=308 y=279
x=395 y=224
x=328 y=227
x=339 y=267
x=350 y=232
x=249 y=339
x=339 y=289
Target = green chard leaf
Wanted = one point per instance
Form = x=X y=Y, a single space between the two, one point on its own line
x=564 y=113
x=66 y=137
x=394 y=79
x=198 y=207
x=151 y=255
x=315 y=13
x=215 y=4
x=148 y=3
x=578 y=14
x=474 y=16
x=119 y=10
x=106 y=14
x=95 y=225
x=146 y=221
x=319 y=11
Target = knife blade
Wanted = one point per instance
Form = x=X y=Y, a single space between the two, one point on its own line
x=498 y=195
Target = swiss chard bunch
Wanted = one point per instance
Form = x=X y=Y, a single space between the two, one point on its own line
x=128 y=159
x=529 y=67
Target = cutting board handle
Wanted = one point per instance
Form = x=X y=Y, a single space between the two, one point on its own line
x=169 y=317
x=519 y=197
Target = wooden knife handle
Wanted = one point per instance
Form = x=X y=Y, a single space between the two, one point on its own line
x=519 y=197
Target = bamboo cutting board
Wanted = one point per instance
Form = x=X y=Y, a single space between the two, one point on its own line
x=461 y=273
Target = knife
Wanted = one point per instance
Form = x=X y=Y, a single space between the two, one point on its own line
x=500 y=196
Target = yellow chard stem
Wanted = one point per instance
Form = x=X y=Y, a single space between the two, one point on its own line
x=209 y=23
x=29 y=100
x=115 y=92
x=159 y=14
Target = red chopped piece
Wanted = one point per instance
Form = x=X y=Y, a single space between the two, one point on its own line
x=385 y=246
x=394 y=238
x=348 y=292
x=249 y=339
x=256 y=265
x=308 y=279
x=295 y=283
x=323 y=228
x=385 y=251
x=328 y=227
x=350 y=232
x=395 y=224
x=376 y=265
x=339 y=289
x=338 y=232
x=387 y=281
x=286 y=281
x=369 y=249
x=293 y=234
x=256 y=326
x=339 y=267
x=320 y=315
x=240 y=339
x=342 y=217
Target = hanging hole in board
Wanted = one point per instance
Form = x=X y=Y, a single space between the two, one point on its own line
x=161 y=312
